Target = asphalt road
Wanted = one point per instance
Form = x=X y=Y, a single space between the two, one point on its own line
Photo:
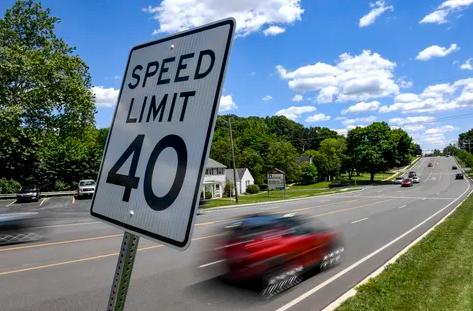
x=72 y=269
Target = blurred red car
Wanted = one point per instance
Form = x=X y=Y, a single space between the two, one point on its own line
x=407 y=183
x=272 y=248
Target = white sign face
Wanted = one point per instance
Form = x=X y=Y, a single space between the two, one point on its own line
x=276 y=181
x=152 y=170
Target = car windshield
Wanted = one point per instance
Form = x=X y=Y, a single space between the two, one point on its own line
x=87 y=183
x=28 y=188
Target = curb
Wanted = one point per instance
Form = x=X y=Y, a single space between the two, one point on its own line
x=278 y=201
x=352 y=292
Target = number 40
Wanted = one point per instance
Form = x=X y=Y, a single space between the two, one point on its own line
x=130 y=181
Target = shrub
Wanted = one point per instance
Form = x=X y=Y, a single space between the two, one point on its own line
x=308 y=172
x=252 y=189
x=208 y=195
x=227 y=188
x=60 y=186
x=9 y=185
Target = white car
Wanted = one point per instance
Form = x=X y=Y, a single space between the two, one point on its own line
x=398 y=180
x=86 y=187
x=416 y=179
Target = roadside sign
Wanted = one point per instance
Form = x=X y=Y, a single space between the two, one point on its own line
x=152 y=170
x=276 y=179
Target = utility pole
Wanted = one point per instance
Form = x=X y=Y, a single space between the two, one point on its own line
x=233 y=159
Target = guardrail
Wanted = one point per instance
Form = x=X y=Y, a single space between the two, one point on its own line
x=43 y=194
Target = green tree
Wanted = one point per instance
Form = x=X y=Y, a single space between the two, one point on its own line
x=308 y=173
x=328 y=159
x=40 y=75
x=416 y=150
x=309 y=153
x=252 y=160
x=370 y=148
x=282 y=155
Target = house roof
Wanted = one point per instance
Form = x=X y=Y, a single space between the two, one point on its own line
x=211 y=163
x=229 y=175
x=300 y=160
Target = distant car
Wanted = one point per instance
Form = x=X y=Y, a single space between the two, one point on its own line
x=338 y=184
x=430 y=164
x=416 y=179
x=447 y=156
x=273 y=249
x=398 y=180
x=86 y=188
x=454 y=167
x=459 y=176
x=28 y=192
x=407 y=183
x=412 y=174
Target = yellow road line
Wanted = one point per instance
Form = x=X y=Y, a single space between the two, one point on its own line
x=11 y=203
x=73 y=199
x=350 y=208
x=92 y=258
x=60 y=242
x=44 y=200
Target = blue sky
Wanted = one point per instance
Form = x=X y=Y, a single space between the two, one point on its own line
x=333 y=63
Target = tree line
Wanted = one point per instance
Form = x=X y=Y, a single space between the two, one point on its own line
x=49 y=136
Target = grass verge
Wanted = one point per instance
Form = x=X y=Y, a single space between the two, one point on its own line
x=412 y=163
x=275 y=195
x=435 y=275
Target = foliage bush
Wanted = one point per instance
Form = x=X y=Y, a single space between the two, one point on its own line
x=252 y=189
x=9 y=185
x=308 y=173
x=228 y=187
x=208 y=195
x=61 y=186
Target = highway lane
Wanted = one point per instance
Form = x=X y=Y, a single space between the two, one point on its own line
x=76 y=275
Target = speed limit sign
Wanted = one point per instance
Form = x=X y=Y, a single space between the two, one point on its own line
x=151 y=174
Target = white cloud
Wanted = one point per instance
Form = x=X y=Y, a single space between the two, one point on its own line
x=467 y=65
x=113 y=78
x=347 y=121
x=267 y=97
x=317 y=118
x=294 y=112
x=250 y=15
x=436 y=51
x=404 y=83
x=297 y=98
x=353 y=78
x=273 y=31
x=105 y=97
x=362 y=107
x=434 y=98
x=378 y=9
x=439 y=16
x=343 y=132
x=411 y=120
x=414 y=128
x=441 y=129
x=227 y=103
x=351 y=127
x=252 y=74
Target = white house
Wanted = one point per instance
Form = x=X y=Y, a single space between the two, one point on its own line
x=243 y=178
x=214 y=178
x=217 y=175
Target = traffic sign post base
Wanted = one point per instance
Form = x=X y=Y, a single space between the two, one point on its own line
x=122 y=277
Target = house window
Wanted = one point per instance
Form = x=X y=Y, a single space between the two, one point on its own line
x=247 y=182
x=220 y=171
x=208 y=171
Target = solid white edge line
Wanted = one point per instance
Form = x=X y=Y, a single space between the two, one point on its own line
x=359 y=262
x=354 y=222
x=211 y=263
x=402 y=206
x=11 y=203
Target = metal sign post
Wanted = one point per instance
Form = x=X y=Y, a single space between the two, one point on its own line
x=122 y=277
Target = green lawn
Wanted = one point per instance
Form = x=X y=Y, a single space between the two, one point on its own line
x=275 y=195
x=435 y=275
